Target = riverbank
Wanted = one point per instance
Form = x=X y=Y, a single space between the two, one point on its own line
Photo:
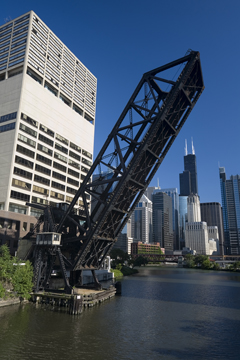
x=123 y=271
x=9 y=302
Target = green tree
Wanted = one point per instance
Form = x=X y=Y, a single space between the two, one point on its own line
x=199 y=259
x=235 y=266
x=14 y=276
x=140 y=260
x=189 y=261
x=216 y=266
x=206 y=264
x=22 y=279
x=6 y=264
x=119 y=256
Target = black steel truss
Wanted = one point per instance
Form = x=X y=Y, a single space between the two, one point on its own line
x=141 y=139
x=138 y=143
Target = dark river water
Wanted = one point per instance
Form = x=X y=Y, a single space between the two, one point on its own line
x=163 y=313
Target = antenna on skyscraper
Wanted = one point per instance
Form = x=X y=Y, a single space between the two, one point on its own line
x=185 y=149
x=158 y=184
x=193 y=150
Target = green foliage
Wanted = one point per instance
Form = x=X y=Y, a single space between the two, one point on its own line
x=22 y=280
x=119 y=255
x=216 y=266
x=125 y=271
x=200 y=259
x=14 y=276
x=117 y=273
x=2 y=291
x=6 y=264
x=119 y=267
x=140 y=260
x=189 y=261
x=235 y=266
x=206 y=264
x=128 y=271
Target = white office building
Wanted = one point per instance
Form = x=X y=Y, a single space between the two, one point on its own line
x=193 y=208
x=198 y=236
x=47 y=117
x=141 y=221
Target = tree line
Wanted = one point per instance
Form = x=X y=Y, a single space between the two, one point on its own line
x=15 y=276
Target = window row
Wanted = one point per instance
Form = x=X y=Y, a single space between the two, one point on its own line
x=7 y=127
x=8 y=117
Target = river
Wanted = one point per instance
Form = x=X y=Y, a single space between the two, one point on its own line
x=163 y=313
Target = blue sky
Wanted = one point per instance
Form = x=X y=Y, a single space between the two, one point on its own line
x=120 y=40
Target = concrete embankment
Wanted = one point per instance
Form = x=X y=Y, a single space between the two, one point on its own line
x=11 y=302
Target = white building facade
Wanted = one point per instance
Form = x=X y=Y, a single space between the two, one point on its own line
x=193 y=208
x=47 y=117
x=141 y=221
x=196 y=237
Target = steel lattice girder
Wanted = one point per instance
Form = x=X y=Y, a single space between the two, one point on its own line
x=141 y=138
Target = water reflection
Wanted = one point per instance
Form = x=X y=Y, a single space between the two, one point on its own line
x=162 y=314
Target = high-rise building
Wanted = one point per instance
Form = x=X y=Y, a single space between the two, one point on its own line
x=182 y=219
x=47 y=117
x=141 y=221
x=198 y=236
x=188 y=179
x=230 y=193
x=193 y=208
x=212 y=214
x=162 y=220
x=173 y=193
x=47 y=114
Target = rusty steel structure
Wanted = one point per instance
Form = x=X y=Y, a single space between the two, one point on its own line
x=127 y=162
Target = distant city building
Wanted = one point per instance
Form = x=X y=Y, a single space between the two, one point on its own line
x=213 y=239
x=138 y=248
x=193 y=208
x=141 y=221
x=197 y=237
x=162 y=220
x=211 y=213
x=124 y=239
x=149 y=191
x=182 y=219
x=172 y=192
x=197 y=232
x=230 y=193
x=124 y=243
x=188 y=179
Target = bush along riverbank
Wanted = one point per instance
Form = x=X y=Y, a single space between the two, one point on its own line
x=122 y=270
x=203 y=262
x=15 y=277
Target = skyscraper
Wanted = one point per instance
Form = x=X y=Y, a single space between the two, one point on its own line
x=198 y=236
x=211 y=213
x=47 y=102
x=172 y=192
x=188 y=179
x=182 y=219
x=141 y=221
x=47 y=117
x=230 y=193
x=162 y=220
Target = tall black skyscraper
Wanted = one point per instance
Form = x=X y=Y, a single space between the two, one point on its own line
x=188 y=179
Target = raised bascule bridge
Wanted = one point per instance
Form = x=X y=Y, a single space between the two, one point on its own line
x=80 y=239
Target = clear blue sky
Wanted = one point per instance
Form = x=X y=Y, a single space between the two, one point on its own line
x=120 y=40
